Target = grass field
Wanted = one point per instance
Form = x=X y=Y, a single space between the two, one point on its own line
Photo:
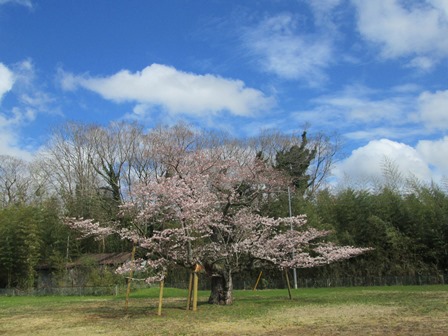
x=329 y=311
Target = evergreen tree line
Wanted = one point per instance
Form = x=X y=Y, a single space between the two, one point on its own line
x=88 y=171
x=408 y=230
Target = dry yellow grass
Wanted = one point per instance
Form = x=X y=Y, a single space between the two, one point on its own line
x=319 y=312
x=339 y=320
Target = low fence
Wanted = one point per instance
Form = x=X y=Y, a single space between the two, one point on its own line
x=62 y=291
x=279 y=283
x=415 y=280
x=204 y=284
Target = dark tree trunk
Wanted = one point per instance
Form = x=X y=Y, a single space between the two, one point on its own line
x=221 y=289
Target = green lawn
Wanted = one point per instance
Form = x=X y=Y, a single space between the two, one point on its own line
x=327 y=311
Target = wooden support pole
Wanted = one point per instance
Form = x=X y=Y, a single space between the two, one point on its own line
x=288 y=283
x=131 y=274
x=258 y=280
x=195 y=291
x=162 y=283
x=190 y=289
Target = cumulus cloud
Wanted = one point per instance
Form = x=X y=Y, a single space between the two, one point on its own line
x=368 y=162
x=433 y=109
x=282 y=49
x=436 y=153
x=6 y=80
x=402 y=28
x=173 y=90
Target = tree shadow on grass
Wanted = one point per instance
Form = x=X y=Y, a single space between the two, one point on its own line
x=137 y=308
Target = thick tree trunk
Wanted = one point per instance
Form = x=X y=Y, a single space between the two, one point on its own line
x=221 y=289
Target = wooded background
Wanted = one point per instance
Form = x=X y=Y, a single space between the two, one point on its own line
x=89 y=170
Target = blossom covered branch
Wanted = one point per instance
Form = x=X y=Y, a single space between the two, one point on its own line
x=204 y=209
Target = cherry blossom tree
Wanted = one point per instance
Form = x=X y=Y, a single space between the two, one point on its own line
x=204 y=210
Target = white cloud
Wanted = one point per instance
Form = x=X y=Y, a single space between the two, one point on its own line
x=397 y=113
x=282 y=50
x=406 y=28
x=367 y=163
x=361 y=109
x=433 y=109
x=10 y=132
x=26 y=3
x=6 y=80
x=324 y=12
x=26 y=103
x=68 y=81
x=17 y=118
x=406 y=88
x=422 y=63
x=8 y=124
x=436 y=153
x=442 y=6
x=9 y=145
x=389 y=132
x=175 y=91
x=360 y=105
x=325 y=6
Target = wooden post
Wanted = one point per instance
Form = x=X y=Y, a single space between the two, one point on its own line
x=195 y=290
x=288 y=284
x=162 y=283
x=131 y=273
x=258 y=280
x=190 y=289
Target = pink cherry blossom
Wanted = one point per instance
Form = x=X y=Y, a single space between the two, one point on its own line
x=205 y=210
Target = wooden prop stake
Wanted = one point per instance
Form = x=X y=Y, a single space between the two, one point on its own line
x=195 y=291
x=193 y=287
x=162 y=283
x=190 y=289
x=258 y=280
x=288 y=284
x=131 y=273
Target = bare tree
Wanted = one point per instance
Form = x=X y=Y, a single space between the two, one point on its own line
x=326 y=151
x=66 y=163
x=114 y=148
x=14 y=180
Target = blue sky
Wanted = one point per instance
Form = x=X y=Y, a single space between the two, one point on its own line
x=375 y=72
